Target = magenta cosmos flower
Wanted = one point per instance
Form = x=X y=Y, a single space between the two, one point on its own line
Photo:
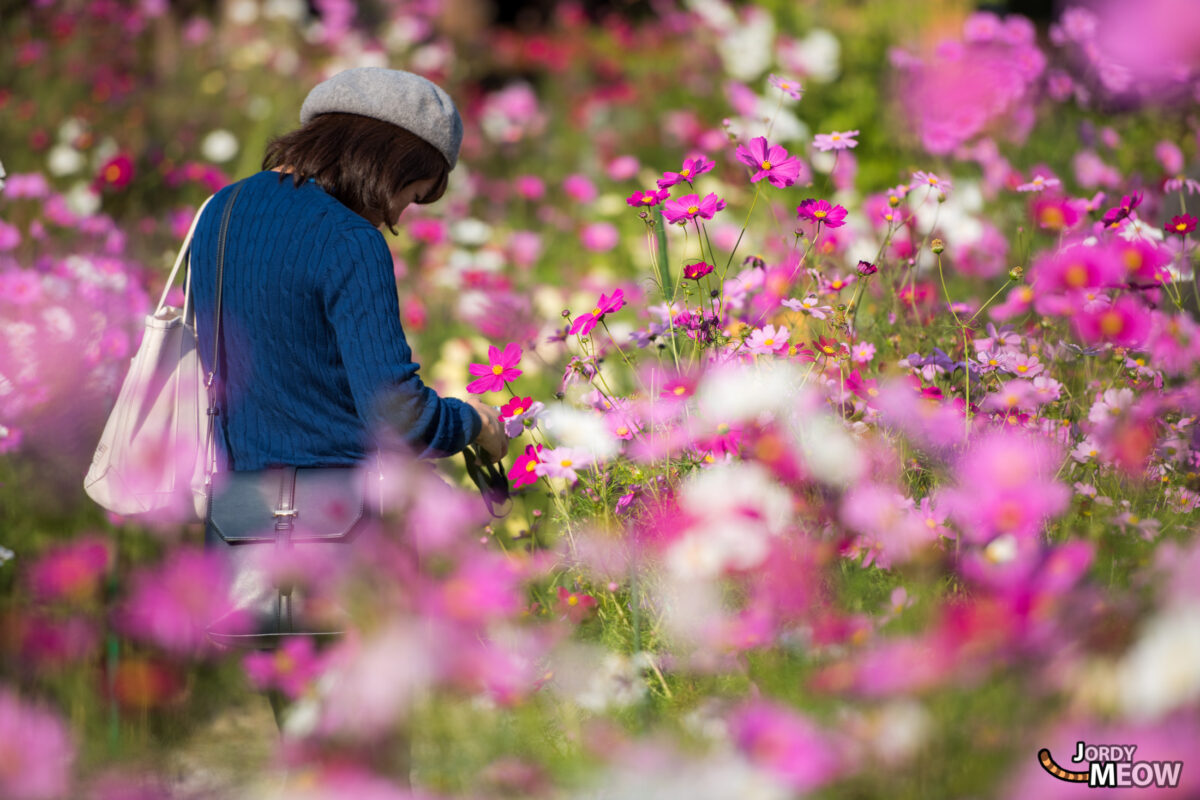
x=647 y=199
x=691 y=206
x=1182 y=224
x=584 y=323
x=524 y=470
x=692 y=168
x=838 y=140
x=820 y=211
x=697 y=271
x=772 y=162
x=501 y=367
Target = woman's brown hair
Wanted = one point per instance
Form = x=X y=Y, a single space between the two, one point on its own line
x=362 y=162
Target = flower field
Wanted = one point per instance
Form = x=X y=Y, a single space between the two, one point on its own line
x=849 y=354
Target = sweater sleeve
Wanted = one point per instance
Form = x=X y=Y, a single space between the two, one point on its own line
x=362 y=307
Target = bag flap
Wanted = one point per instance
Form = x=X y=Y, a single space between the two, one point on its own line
x=329 y=503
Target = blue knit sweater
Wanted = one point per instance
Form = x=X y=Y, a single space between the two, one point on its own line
x=314 y=359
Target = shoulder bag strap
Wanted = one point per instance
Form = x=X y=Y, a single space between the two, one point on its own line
x=183 y=254
x=210 y=446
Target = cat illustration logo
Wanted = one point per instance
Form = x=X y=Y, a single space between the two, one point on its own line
x=1112 y=766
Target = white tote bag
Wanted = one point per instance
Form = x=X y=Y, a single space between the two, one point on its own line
x=150 y=459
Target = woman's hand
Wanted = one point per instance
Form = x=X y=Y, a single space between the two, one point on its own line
x=491 y=439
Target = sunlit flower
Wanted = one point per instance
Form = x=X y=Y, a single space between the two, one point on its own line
x=809 y=305
x=648 y=199
x=524 y=469
x=607 y=304
x=692 y=168
x=562 y=462
x=501 y=367
x=697 y=271
x=768 y=340
x=822 y=213
x=690 y=206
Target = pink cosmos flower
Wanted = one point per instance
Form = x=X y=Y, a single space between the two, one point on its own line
x=173 y=603
x=37 y=748
x=835 y=141
x=116 y=173
x=1039 y=183
x=579 y=188
x=648 y=199
x=599 y=237
x=690 y=206
x=70 y=571
x=10 y=236
x=501 y=367
x=563 y=462
x=1179 y=183
x=862 y=353
x=772 y=162
x=575 y=605
x=809 y=305
x=584 y=323
x=520 y=413
x=768 y=340
x=622 y=168
x=692 y=168
x=1125 y=323
x=787 y=744
x=1181 y=224
x=530 y=187
x=1006 y=484
x=695 y=272
x=821 y=212
x=788 y=86
x=10 y=439
x=931 y=180
x=523 y=471
x=291 y=669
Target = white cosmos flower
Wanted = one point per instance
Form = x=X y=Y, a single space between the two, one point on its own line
x=64 y=160
x=583 y=431
x=746 y=48
x=82 y=199
x=219 y=146
x=470 y=232
x=1161 y=672
x=816 y=57
x=829 y=450
x=736 y=392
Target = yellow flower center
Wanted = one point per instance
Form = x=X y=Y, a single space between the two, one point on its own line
x=687 y=173
x=1022 y=368
x=766 y=165
x=112 y=173
x=518 y=411
x=648 y=200
x=531 y=466
x=622 y=431
x=679 y=390
x=596 y=311
x=497 y=369
x=819 y=214
x=1076 y=276
x=835 y=137
x=769 y=342
x=693 y=209
x=1181 y=226
x=933 y=180
x=1133 y=260
x=566 y=462
x=572 y=600
x=723 y=428
x=1111 y=323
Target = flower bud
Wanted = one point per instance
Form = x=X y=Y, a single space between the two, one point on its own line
x=866 y=268
x=566 y=313
x=937 y=246
x=1015 y=273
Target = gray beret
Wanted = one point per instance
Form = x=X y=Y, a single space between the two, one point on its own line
x=401 y=98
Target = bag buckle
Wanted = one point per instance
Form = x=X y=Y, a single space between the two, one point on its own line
x=285 y=512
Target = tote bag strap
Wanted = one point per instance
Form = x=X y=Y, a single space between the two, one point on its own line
x=210 y=444
x=183 y=254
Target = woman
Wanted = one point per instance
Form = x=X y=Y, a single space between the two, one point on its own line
x=313 y=367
